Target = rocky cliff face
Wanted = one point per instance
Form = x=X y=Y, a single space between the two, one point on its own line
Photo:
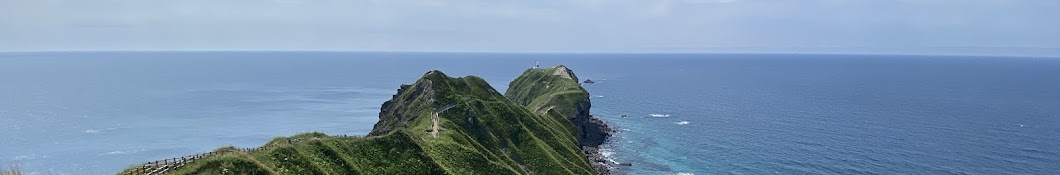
x=592 y=131
x=405 y=106
x=595 y=132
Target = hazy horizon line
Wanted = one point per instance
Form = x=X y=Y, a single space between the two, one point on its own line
x=534 y=52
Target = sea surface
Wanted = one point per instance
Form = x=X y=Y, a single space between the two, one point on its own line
x=100 y=112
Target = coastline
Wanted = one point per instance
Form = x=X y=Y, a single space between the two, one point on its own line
x=597 y=158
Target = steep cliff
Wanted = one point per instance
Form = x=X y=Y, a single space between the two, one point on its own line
x=405 y=106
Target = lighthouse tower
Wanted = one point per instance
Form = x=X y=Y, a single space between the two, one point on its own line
x=538 y=65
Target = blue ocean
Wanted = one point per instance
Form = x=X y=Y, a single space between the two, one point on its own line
x=100 y=112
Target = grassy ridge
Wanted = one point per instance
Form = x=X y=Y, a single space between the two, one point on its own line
x=315 y=153
x=483 y=132
x=539 y=89
x=556 y=93
x=504 y=134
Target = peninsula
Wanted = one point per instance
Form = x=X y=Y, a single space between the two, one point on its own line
x=438 y=125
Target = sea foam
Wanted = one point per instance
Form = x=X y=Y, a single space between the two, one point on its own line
x=120 y=152
x=97 y=131
x=659 y=115
x=609 y=155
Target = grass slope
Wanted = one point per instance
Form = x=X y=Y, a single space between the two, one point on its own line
x=483 y=132
x=540 y=89
x=556 y=94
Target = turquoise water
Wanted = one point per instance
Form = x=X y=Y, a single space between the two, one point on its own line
x=835 y=114
x=98 y=112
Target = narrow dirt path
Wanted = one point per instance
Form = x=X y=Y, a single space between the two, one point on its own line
x=434 y=124
x=435 y=129
x=543 y=112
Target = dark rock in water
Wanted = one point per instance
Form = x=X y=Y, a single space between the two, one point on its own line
x=626 y=164
x=588 y=81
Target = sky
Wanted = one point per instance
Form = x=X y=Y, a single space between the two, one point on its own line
x=995 y=27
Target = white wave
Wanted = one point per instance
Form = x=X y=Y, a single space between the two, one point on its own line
x=97 y=131
x=609 y=155
x=120 y=152
x=607 y=152
x=685 y=174
x=659 y=115
x=682 y=123
x=599 y=96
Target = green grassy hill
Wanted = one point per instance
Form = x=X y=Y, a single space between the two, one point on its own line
x=555 y=93
x=437 y=125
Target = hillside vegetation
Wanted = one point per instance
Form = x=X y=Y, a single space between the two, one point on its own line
x=438 y=125
x=555 y=93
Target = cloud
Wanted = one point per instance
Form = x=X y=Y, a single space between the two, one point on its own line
x=481 y=25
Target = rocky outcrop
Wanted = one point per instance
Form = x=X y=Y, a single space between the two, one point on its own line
x=597 y=160
x=594 y=132
x=404 y=106
x=564 y=72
